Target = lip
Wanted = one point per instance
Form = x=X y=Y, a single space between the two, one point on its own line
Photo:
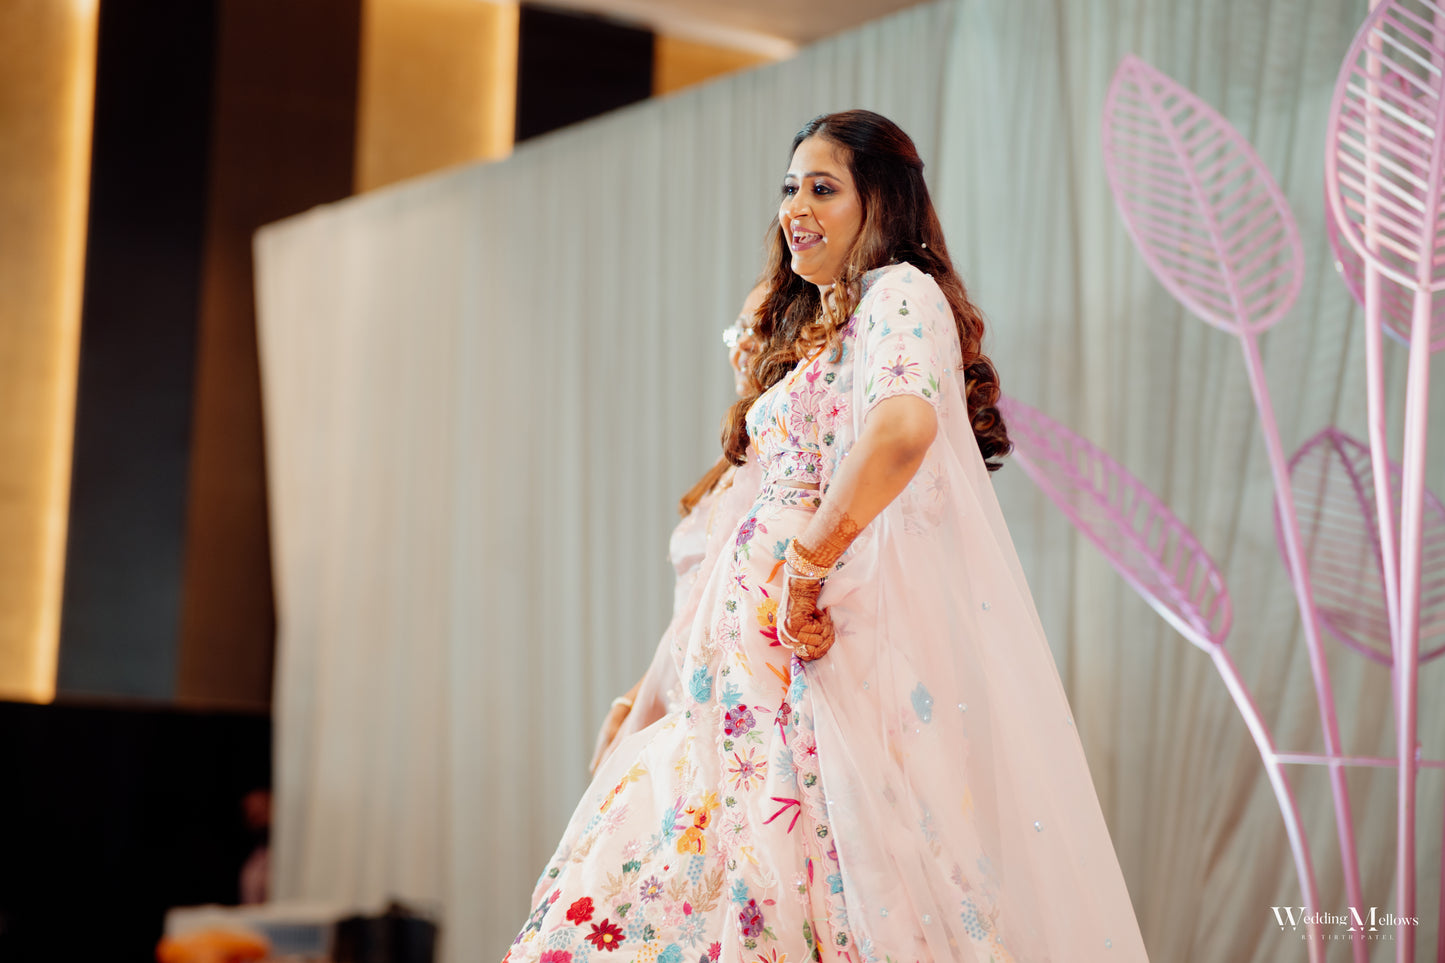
x=810 y=241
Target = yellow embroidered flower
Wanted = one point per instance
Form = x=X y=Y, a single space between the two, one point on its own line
x=692 y=841
x=768 y=613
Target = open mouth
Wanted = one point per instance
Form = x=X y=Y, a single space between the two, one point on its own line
x=802 y=240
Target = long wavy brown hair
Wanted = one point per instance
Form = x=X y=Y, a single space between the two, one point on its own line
x=899 y=224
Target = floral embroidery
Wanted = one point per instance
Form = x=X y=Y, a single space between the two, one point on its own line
x=581 y=911
x=701 y=684
x=751 y=919
x=900 y=372
x=605 y=935
x=922 y=703
x=746 y=769
x=738 y=721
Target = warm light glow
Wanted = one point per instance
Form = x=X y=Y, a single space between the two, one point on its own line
x=47 y=75
x=679 y=62
x=438 y=87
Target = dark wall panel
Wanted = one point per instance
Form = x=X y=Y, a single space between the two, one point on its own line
x=284 y=141
x=138 y=338
x=571 y=67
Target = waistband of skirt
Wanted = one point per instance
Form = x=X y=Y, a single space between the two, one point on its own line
x=779 y=491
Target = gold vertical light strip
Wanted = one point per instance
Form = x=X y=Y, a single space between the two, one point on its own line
x=438 y=86
x=47 y=88
x=679 y=62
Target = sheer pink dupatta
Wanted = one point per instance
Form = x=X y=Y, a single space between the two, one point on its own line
x=696 y=544
x=961 y=804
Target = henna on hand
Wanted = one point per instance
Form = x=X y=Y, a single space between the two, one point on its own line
x=834 y=543
x=803 y=621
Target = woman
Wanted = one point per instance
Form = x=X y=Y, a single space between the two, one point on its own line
x=876 y=759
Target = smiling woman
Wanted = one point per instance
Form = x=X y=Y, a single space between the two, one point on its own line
x=868 y=755
x=821 y=211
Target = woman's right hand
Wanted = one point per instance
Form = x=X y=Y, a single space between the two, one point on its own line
x=804 y=621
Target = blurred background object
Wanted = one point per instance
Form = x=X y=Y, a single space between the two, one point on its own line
x=142 y=142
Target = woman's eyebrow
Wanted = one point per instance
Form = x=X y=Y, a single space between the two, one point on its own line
x=810 y=174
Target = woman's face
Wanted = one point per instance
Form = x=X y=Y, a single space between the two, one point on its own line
x=821 y=212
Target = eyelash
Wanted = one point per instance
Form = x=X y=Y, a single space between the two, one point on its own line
x=818 y=190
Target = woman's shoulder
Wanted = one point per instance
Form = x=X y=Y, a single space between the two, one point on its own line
x=898 y=280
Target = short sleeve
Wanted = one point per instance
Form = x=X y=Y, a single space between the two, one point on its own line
x=908 y=330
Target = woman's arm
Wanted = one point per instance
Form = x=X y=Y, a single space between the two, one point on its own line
x=895 y=438
x=884 y=459
x=615 y=717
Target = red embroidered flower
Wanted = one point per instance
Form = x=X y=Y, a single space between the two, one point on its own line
x=580 y=911
x=556 y=956
x=714 y=951
x=605 y=935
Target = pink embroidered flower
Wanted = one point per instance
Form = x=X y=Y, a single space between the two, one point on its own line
x=900 y=372
x=556 y=956
x=747 y=769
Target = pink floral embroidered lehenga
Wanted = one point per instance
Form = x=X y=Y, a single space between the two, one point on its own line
x=919 y=793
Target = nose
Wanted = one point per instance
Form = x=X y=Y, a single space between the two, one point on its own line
x=794 y=208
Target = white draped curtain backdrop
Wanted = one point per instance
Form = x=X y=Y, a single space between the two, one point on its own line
x=485 y=390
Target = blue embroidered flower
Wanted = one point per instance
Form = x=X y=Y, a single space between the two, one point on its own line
x=972 y=921
x=673 y=954
x=783 y=765
x=923 y=703
x=796 y=688
x=740 y=892
x=701 y=684
x=730 y=696
x=835 y=883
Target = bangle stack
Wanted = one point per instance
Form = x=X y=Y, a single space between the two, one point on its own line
x=800 y=566
x=622 y=701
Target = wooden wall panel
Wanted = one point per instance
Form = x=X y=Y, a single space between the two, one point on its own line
x=284 y=126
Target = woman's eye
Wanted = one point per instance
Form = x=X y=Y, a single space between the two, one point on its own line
x=822 y=189
x=789 y=190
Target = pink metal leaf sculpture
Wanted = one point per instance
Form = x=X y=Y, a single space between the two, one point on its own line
x=1204 y=212
x=1151 y=548
x=1334 y=491
x=1397 y=303
x=1383 y=158
x=1384 y=175
x=1214 y=227
x=1160 y=558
